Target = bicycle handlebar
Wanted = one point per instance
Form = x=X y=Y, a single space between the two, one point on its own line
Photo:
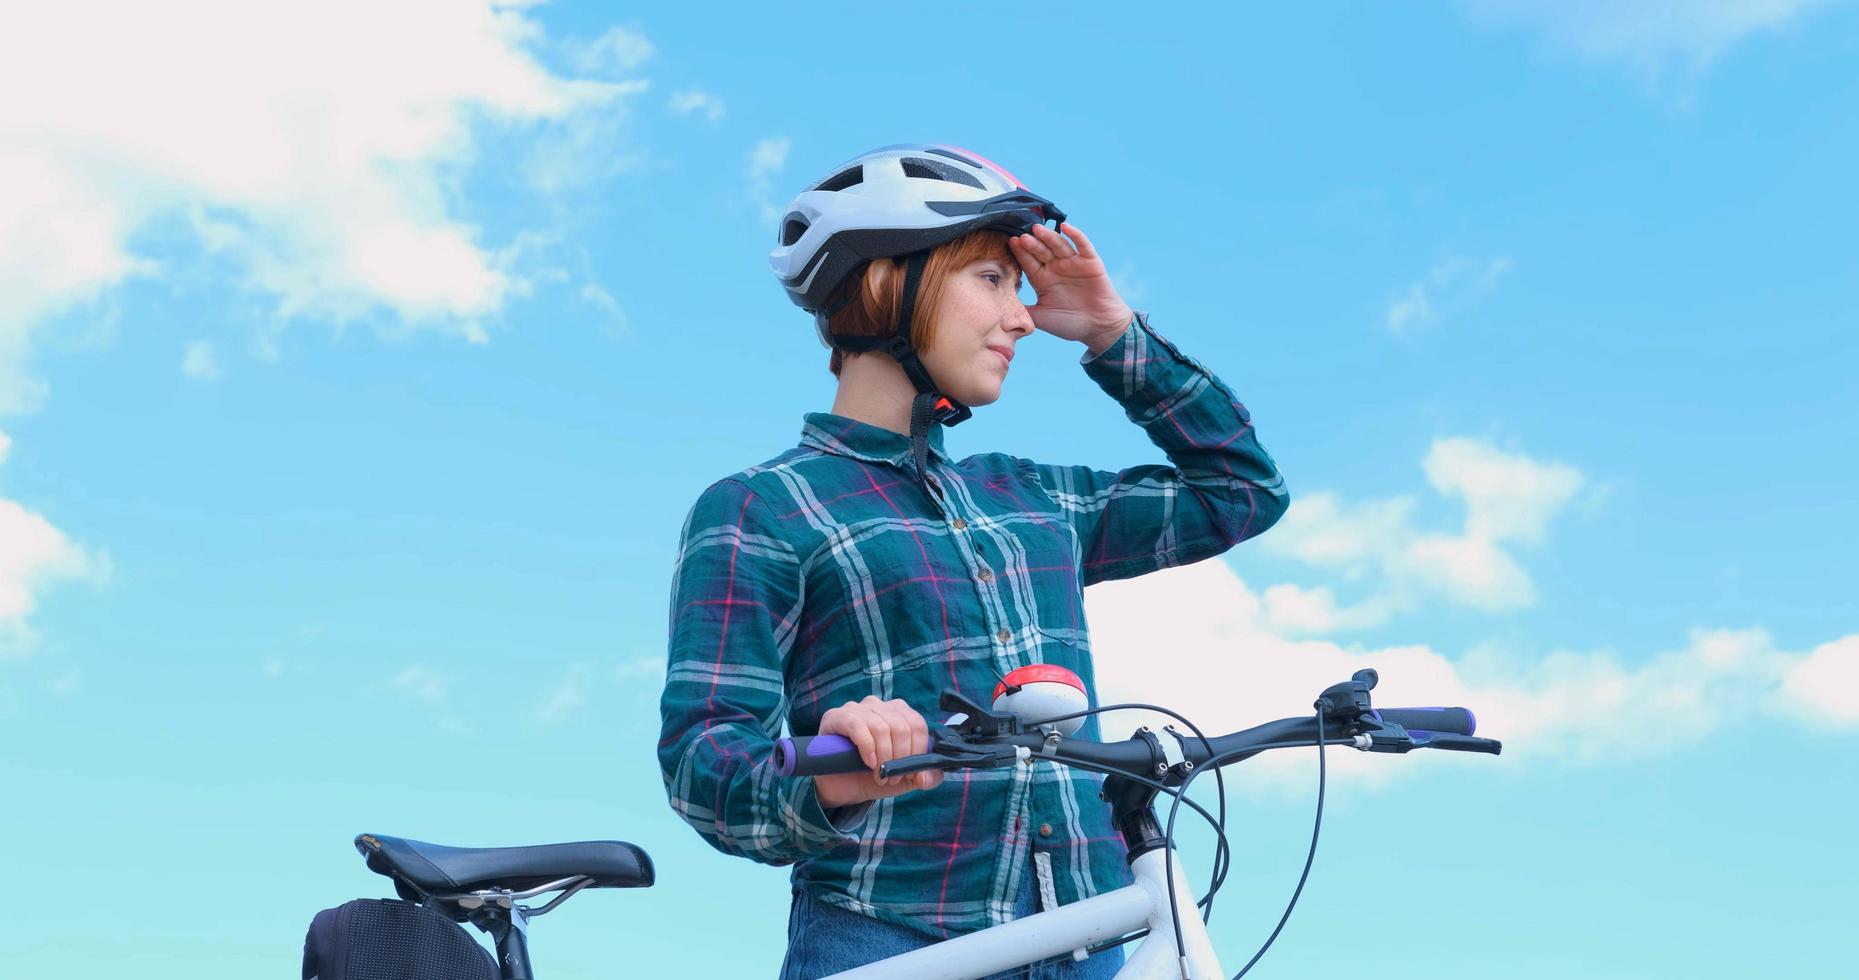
x=1395 y=730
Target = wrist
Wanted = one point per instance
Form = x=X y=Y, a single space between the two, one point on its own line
x=1101 y=341
x=834 y=793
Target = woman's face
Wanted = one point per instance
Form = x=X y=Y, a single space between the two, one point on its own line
x=980 y=321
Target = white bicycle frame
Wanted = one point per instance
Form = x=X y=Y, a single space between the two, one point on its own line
x=1070 y=928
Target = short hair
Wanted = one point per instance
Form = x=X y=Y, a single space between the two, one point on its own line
x=880 y=287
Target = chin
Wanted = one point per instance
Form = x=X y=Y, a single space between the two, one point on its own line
x=977 y=397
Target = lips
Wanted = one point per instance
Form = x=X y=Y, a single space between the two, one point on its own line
x=1006 y=353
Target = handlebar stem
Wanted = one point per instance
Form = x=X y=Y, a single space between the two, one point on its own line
x=1132 y=804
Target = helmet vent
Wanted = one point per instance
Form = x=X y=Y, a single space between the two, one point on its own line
x=849 y=177
x=794 y=227
x=937 y=170
x=943 y=152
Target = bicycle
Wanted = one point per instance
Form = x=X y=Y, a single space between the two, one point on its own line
x=484 y=886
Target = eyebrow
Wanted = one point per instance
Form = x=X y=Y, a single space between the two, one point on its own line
x=1006 y=267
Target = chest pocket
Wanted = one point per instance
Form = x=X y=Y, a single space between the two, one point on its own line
x=1052 y=587
x=925 y=602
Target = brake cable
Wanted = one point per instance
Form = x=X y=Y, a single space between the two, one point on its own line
x=1309 y=858
x=1223 y=855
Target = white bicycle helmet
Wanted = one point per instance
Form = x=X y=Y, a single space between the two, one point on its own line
x=897 y=201
x=894 y=201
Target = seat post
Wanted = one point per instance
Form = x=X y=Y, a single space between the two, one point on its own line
x=510 y=928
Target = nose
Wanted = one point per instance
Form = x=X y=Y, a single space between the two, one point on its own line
x=1018 y=320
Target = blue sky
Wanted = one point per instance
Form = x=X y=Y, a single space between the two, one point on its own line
x=357 y=369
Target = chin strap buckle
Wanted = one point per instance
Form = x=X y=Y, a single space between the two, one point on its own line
x=948 y=411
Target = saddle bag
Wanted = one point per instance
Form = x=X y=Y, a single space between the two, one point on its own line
x=386 y=939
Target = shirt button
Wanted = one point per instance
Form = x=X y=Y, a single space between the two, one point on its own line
x=1045 y=830
x=958 y=524
x=986 y=576
x=1004 y=636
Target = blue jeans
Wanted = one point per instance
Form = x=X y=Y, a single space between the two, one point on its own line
x=824 y=939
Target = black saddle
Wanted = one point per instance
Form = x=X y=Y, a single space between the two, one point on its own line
x=434 y=869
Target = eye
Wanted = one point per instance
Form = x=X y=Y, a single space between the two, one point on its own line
x=993 y=277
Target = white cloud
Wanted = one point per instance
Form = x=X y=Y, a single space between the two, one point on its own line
x=769 y=156
x=198 y=362
x=593 y=295
x=586 y=147
x=1648 y=34
x=640 y=679
x=767 y=159
x=1509 y=500
x=689 y=101
x=1507 y=496
x=1451 y=288
x=33 y=555
x=1825 y=684
x=420 y=682
x=1200 y=641
x=620 y=50
x=319 y=149
x=1293 y=610
x=567 y=697
x=1129 y=284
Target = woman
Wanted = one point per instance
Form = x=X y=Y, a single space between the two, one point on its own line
x=842 y=585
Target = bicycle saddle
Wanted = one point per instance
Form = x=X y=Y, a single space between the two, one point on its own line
x=437 y=869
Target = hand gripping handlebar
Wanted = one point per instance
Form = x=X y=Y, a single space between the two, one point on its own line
x=982 y=739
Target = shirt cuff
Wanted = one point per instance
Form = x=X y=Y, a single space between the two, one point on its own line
x=817 y=826
x=1122 y=339
x=846 y=819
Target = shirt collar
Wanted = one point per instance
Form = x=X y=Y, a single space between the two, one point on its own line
x=842 y=436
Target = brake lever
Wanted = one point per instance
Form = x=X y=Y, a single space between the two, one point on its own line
x=1394 y=738
x=916 y=763
x=953 y=752
x=1456 y=743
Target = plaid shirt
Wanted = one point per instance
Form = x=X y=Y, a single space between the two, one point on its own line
x=829 y=573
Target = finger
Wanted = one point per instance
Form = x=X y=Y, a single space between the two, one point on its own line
x=919 y=730
x=1037 y=247
x=1023 y=252
x=1054 y=241
x=1085 y=248
x=897 y=715
x=883 y=747
x=906 y=730
x=854 y=727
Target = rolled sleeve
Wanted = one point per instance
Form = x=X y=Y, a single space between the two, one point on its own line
x=1221 y=488
x=735 y=599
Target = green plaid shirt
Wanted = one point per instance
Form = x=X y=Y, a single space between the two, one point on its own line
x=829 y=573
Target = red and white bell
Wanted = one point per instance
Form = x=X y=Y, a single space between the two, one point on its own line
x=1039 y=691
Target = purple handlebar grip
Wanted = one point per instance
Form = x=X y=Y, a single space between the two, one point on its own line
x=819 y=755
x=1446 y=721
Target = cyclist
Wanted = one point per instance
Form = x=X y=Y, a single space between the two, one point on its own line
x=841 y=585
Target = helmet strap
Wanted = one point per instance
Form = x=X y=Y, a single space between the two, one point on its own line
x=930 y=406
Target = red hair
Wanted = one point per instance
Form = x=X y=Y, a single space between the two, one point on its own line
x=880 y=287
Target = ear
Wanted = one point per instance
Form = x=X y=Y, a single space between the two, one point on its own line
x=882 y=275
x=884 y=283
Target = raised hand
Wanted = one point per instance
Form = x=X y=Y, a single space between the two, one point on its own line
x=1076 y=299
